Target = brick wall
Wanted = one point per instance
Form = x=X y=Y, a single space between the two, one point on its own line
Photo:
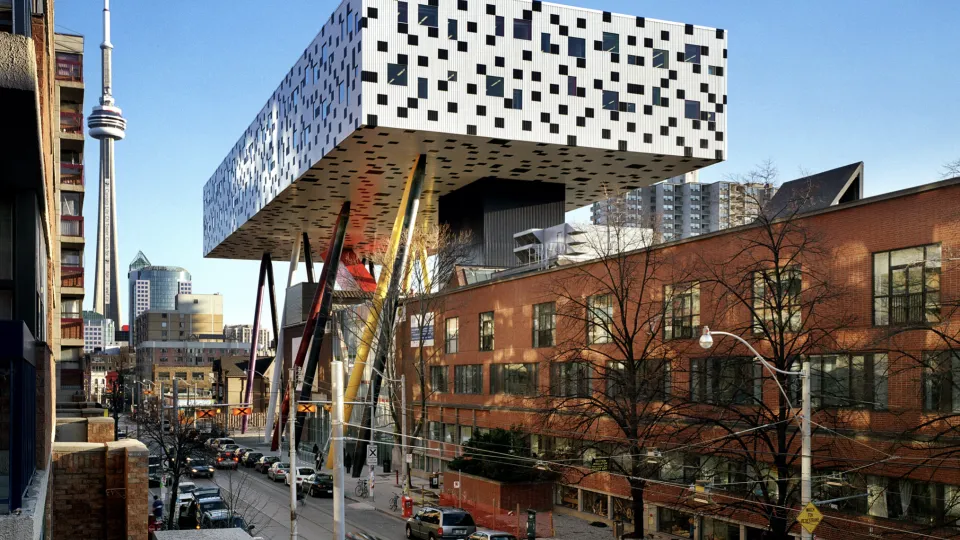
x=535 y=495
x=99 y=490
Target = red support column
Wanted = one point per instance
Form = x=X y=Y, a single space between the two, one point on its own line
x=252 y=366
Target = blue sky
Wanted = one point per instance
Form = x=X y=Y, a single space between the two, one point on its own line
x=812 y=85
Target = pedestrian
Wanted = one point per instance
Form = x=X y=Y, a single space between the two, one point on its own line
x=157 y=509
x=347 y=460
x=316 y=449
x=319 y=462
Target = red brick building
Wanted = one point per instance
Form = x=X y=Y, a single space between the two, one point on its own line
x=882 y=339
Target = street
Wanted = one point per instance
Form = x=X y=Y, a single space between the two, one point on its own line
x=267 y=508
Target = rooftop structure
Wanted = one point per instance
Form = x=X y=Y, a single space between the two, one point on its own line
x=573 y=103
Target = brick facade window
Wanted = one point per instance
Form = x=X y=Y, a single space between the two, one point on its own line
x=451 y=335
x=850 y=381
x=941 y=377
x=570 y=379
x=544 y=324
x=775 y=291
x=468 y=379
x=654 y=380
x=906 y=286
x=514 y=379
x=486 y=331
x=438 y=378
x=736 y=381
x=681 y=311
x=600 y=318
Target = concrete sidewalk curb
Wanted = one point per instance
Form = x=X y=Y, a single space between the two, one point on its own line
x=382 y=511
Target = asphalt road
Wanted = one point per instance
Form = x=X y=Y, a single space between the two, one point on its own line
x=265 y=504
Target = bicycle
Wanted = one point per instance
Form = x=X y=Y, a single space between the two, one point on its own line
x=395 y=502
x=362 y=489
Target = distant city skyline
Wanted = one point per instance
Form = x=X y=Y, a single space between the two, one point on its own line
x=810 y=104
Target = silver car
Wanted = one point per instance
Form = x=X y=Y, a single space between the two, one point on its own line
x=486 y=534
x=433 y=523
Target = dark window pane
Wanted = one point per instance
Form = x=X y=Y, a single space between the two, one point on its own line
x=611 y=100
x=691 y=109
x=494 y=86
x=427 y=15
x=577 y=47
x=611 y=42
x=691 y=54
x=523 y=29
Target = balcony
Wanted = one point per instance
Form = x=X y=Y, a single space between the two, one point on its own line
x=71 y=174
x=71 y=326
x=71 y=122
x=69 y=67
x=71 y=276
x=71 y=226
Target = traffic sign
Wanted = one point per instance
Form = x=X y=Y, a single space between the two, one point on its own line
x=810 y=517
x=242 y=411
x=409 y=458
x=456 y=484
x=306 y=408
x=372 y=455
x=206 y=413
x=148 y=392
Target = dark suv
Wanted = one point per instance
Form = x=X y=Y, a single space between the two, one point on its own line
x=433 y=523
x=227 y=460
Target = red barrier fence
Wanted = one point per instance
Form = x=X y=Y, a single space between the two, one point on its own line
x=491 y=516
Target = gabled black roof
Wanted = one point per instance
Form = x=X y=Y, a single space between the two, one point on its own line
x=817 y=191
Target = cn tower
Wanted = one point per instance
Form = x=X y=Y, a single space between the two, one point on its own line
x=107 y=125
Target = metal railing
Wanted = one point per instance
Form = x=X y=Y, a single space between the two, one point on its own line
x=69 y=67
x=71 y=225
x=71 y=174
x=71 y=122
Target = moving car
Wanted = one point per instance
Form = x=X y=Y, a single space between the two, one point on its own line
x=278 y=471
x=299 y=474
x=200 y=468
x=264 y=463
x=222 y=442
x=228 y=447
x=434 y=523
x=250 y=458
x=486 y=534
x=318 y=485
x=242 y=451
x=227 y=460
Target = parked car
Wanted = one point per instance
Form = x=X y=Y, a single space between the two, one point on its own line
x=434 y=523
x=278 y=470
x=191 y=520
x=184 y=500
x=263 y=464
x=212 y=442
x=318 y=485
x=186 y=487
x=242 y=451
x=200 y=468
x=227 y=460
x=153 y=471
x=228 y=447
x=250 y=458
x=486 y=534
x=224 y=519
x=298 y=475
x=205 y=492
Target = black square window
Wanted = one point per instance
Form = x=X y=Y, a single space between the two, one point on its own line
x=605 y=133
x=413 y=40
x=718 y=135
x=528 y=56
x=471 y=130
x=648 y=138
x=523 y=29
x=544 y=118
x=555 y=89
x=492 y=41
x=632 y=40
x=382 y=99
x=433 y=116
x=704 y=50
x=703 y=143
x=527 y=125
x=705 y=88
x=381 y=46
x=442 y=85
x=614 y=76
x=372 y=12
x=688 y=29
x=471 y=27
x=581 y=121
x=681 y=141
x=442 y=54
x=664 y=131
x=537 y=5
x=413 y=103
x=462 y=5
x=462 y=46
x=372 y=120
x=401 y=112
x=368 y=76
x=648 y=43
x=598 y=84
x=481 y=110
x=648 y=109
x=481 y=69
x=697 y=68
x=535 y=75
x=518 y=74
x=622 y=146
x=564 y=70
x=499 y=61
x=564 y=30
x=641 y=22
x=491 y=9
x=433 y=32
x=581 y=62
x=471 y=88
x=672 y=122
x=397 y=74
x=564 y=110
x=664 y=35
x=535 y=96
x=494 y=86
x=402 y=59
x=589 y=112
x=581 y=23
x=680 y=93
x=571 y=140
x=554 y=18
x=554 y=128
x=499 y=122
x=607 y=16
x=631 y=127
x=423 y=61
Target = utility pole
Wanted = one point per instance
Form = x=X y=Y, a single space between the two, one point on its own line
x=339 y=518
x=404 y=449
x=806 y=459
x=291 y=438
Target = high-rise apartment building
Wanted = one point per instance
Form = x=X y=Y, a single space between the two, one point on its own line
x=244 y=334
x=99 y=332
x=154 y=287
x=682 y=207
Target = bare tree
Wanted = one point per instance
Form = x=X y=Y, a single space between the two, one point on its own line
x=177 y=444
x=242 y=501
x=951 y=169
x=771 y=287
x=611 y=390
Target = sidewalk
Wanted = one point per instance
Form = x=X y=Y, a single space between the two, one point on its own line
x=565 y=527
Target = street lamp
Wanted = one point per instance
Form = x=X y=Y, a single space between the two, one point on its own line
x=806 y=459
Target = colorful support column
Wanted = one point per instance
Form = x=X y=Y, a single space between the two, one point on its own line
x=317 y=315
x=415 y=180
x=276 y=369
x=252 y=366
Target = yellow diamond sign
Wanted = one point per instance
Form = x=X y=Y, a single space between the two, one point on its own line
x=810 y=517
